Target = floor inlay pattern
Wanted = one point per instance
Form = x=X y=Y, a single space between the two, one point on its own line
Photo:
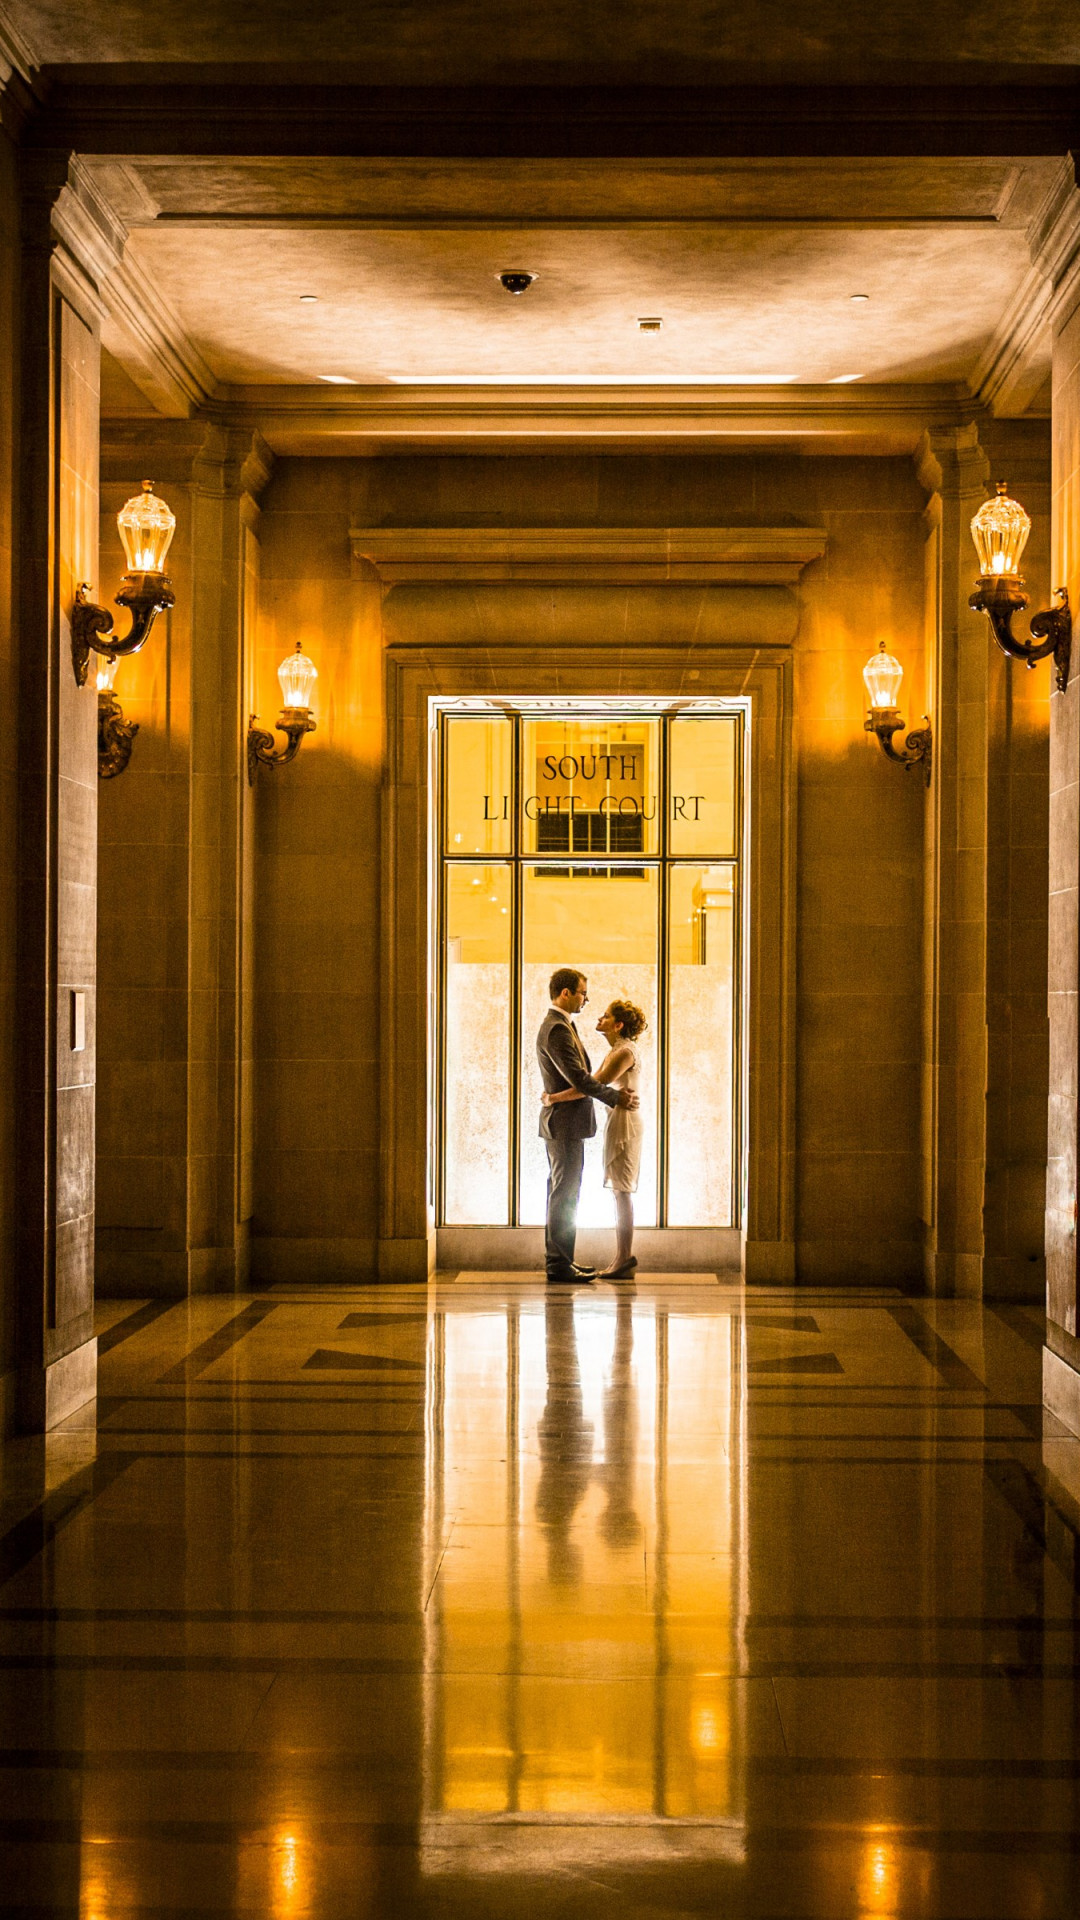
x=484 y=1600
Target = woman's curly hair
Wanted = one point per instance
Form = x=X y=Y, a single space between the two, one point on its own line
x=630 y=1018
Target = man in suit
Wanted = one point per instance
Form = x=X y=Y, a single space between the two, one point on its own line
x=566 y=1127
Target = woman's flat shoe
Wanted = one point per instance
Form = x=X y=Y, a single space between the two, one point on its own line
x=619 y=1273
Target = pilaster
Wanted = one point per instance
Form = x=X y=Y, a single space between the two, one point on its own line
x=177 y=1006
x=68 y=245
x=1060 y=251
x=953 y=467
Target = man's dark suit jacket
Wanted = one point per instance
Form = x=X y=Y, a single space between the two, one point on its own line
x=565 y=1063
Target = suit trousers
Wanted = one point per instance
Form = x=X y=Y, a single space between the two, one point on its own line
x=566 y=1163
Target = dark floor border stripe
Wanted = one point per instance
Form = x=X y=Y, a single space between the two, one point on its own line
x=1042 y=1517
x=1005 y=1673
x=308 y=1764
x=1016 y=1318
x=33 y=1533
x=219 y=1343
x=223 y=1616
x=114 y=1336
x=947 y=1364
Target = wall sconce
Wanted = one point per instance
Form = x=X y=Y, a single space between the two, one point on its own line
x=115 y=735
x=297 y=675
x=883 y=674
x=146 y=529
x=1000 y=530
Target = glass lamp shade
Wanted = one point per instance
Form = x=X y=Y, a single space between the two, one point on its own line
x=146 y=528
x=883 y=674
x=106 y=672
x=297 y=675
x=1000 y=530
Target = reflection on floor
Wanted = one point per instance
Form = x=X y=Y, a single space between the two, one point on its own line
x=480 y=1601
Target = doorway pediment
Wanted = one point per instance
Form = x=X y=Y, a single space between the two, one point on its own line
x=735 y=556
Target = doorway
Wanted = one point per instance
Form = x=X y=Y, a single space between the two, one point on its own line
x=607 y=835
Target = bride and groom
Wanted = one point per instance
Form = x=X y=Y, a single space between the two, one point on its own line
x=568 y=1119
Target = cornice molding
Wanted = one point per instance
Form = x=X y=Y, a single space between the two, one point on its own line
x=678 y=556
x=142 y=332
x=16 y=54
x=303 y=420
x=1016 y=361
x=1055 y=242
x=86 y=226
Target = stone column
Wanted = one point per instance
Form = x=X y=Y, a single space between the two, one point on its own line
x=985 y=1037
x=69 y=244
x=954 y=469
x=1059 y=249
x=176 y=1113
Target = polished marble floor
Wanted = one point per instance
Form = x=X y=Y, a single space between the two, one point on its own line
x=474 y=1601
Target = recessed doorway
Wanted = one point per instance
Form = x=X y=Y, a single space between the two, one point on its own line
x=610 y=836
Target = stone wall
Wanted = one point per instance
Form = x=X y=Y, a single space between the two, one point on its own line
x=859 y=826
x=9 y=291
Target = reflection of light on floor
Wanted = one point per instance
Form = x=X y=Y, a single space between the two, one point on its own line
x=585 y=1613
x=878 y=1888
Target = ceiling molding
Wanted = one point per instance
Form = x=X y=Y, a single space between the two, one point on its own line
x=302 y=420
x=1016 y=362
x=148 y=340
x=677 y=556
x=1055 y=240
x=16 y=54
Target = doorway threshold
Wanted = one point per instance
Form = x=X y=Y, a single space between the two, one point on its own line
x=680 y=1250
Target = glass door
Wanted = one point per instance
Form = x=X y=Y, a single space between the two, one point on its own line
x=608 y=840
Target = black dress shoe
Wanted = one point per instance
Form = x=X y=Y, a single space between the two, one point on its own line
x=569 y=1276
x=584 y=1273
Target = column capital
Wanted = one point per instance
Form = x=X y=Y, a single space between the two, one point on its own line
x=233 y=461
x=223 y=460
x=951 y=461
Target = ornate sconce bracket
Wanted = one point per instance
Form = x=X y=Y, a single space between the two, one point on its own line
x=918 y=748
x=115 y=737
x=1002 y=597
x=144 y=594
x=294 y=722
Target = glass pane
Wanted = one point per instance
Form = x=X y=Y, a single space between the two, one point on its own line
x=590 y=786
x=607 y=927
x=701 y=1003
x=703 y=767
x=478 y=757
x=477 y=1046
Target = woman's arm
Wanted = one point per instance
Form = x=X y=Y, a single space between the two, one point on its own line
x=615 y=1063
x=558 y=1099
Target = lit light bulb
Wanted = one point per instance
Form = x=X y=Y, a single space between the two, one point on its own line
x=146 y=528
x=1000 y=530
x=883 y=675
x=296 y=676
x=106 y=672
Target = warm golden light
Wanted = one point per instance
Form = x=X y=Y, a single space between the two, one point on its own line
x=883 y=675
x=1000 y=530
x=106 y=672
x=297 y=675
x=146 y=528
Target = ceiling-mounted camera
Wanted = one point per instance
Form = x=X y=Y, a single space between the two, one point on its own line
x=516 y=280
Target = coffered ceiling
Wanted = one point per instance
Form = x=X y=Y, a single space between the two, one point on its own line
x=379 y=274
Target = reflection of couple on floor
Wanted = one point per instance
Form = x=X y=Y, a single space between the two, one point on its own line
x=568 y=1119
x=566 y=1442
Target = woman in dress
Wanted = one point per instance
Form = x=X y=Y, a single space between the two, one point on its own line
x=621 y=1026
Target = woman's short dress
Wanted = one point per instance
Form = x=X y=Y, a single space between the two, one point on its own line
x=624 y=1132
